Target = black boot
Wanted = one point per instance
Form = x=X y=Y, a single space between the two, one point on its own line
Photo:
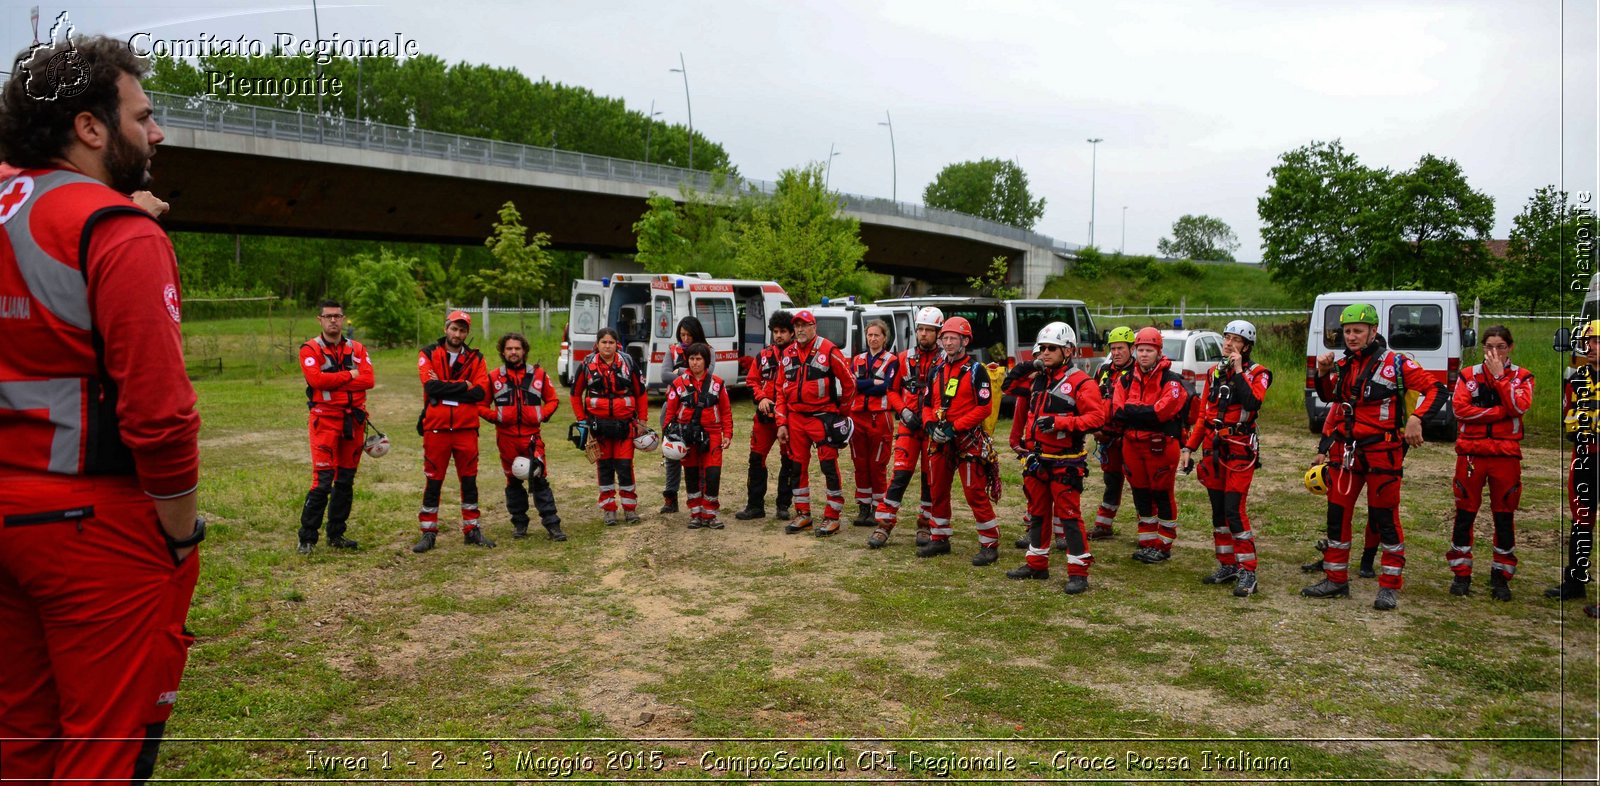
x=755 y=506
x=1315 y=566
x=987 y=555
x=1566 y=590
x=1461 y=586
x=1076 y=585
x=519 y=530
x=475 y=537
x=1025 y=571
x=553 y=530
x=1368 y=556
x=669 y=504
x=425 y=543
x=934 y=548
x=864 y=516
x=1327 y=588
x=1499 y=588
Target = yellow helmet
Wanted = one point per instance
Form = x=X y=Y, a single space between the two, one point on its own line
x=1581 y=342
x=1317 y=480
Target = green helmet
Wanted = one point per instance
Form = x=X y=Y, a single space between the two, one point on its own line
x=1359 y=314
x=1120 y=335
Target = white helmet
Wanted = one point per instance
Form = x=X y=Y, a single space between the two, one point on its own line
x=674 y=449
x=929 y=316
x=377 y=445
x=1242 y=329
x=647 y=441
x=523 y=467
x=1060 y=334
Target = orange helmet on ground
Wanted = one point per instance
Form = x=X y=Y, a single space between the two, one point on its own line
x=957 y=325
x=1148 y=335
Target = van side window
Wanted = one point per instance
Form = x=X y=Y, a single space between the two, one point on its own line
x=833 y=329
x=1332 y=334
x=586 y=314
x=1210 y=350
x=666 y=324
x=1416 y=326
x=1082 y=324
x=716 y=316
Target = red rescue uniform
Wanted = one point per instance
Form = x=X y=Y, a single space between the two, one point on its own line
x=338 y=402
x=958 y=396
x=700 y=412
x=1152 y=407
x=98 y=418
x=520 y=399
x=1363 y=439
x=1226 y=432
x=816 y=388
x=1489 y=414
x=764 y=378
x=872 y=441
x=1108 y=452
x=1052 y=420
x=910 y=440
x=452 y=388
x=611 y=396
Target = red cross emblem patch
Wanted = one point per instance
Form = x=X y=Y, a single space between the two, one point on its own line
x=16 y=194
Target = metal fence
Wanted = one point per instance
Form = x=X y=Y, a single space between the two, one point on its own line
x=207 y=114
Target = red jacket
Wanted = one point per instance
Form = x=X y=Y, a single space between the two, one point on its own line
x=1489 y=411
x=765 y=379
x=450 y=401
x=711 y=394
x=1150 y=403
x=1106 y=378
x=330 y=390
x=1367 y=391
x=1229 y=404
x=1071 y=399
x=612 y=391
x=124 y=407
x=816 y=378
x=519 y=400
x=874 y=374
x=959 y=390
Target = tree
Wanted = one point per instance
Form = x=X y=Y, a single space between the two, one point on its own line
x=1204 y=238
x=1322 y=218
x=1440 y=226
x=800 y=237
x=993 y=282
x=989 y=188
x=1544 y=240
x=522 y=262
x=698 y=235
x=382 y=296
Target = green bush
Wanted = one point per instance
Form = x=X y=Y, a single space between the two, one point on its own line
x=381 y=296
x=1185 y=269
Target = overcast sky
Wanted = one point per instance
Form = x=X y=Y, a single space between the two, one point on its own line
x=1195 y=100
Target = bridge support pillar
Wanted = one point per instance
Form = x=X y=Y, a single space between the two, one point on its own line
x=1038 y=265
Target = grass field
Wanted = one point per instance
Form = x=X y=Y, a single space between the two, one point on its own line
x=630 y=643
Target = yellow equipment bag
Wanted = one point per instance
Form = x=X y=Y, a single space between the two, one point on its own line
x=997 y=374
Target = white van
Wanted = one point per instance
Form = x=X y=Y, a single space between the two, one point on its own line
x=1424 y=326
x=644 y=308
x=1012 y=325
x=844 y=322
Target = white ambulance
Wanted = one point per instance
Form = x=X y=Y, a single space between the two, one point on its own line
x=1424 y=326
x=1003 y=330
x=645 y=308
x=844 y=322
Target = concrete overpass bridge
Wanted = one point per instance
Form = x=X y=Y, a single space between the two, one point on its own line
x=243 y=169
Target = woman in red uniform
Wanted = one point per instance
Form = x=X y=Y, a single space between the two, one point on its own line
x=690 y=332
x=872 y=442
x=608 y=394
x=699 y=415
x=1151 y=404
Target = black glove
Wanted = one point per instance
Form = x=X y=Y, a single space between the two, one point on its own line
x=1018 y=373
x=1045 y=423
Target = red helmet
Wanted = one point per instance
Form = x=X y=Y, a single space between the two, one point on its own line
x=1149 y=336
x=957 y=325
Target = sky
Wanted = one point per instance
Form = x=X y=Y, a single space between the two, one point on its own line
x=1195 y=101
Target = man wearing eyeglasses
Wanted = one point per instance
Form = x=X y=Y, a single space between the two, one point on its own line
x=338 y=374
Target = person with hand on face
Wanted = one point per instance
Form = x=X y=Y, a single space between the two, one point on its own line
x=910 y=440
x=955 y=403
x=699 y=422
x=765 y=379
x=99 y=552
x=816 y=395
x=1108 y=441
x=1581 y=421
x=1368 y=443
x=1151 y=405
x=521 y=397
x=871 y=444
x=1060 y=409
x=338 y=374
x=1489 y=400
x=1229 y=404
x=690 y=332
x=454 y=379
x=608 y=394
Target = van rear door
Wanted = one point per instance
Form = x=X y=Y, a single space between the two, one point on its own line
x=583 y=322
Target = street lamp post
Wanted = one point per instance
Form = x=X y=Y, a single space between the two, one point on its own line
x=894 y=159
x=1124 y=244
x=650 y=129
x=684 y=69
x=829 y=176
x=1093 y=164
x=316 y=25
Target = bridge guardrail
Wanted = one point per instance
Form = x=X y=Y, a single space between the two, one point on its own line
x=207 y=114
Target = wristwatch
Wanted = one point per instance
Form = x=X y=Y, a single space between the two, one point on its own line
x=194 y=538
